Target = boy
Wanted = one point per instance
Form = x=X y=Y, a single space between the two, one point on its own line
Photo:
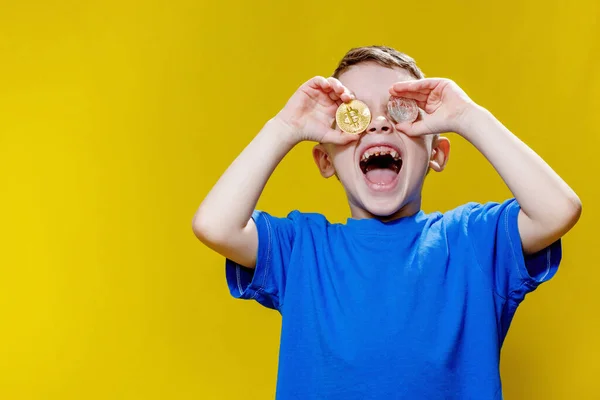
x=396 y=303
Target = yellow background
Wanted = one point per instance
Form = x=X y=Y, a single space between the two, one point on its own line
x=117 y=117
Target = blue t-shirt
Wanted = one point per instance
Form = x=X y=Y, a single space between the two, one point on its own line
x=416 y=308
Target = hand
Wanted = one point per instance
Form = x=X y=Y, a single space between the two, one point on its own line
x=443 y=106
x=310 y=112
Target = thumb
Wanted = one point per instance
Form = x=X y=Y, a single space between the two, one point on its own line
x=340 y=138
x=417 y=128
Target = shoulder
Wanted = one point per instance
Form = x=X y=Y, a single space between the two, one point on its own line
x=473 y=213
x=308 y=217
x=296 y=220
x=459 y=214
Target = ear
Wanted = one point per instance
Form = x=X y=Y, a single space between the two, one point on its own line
x=323 y=161
x=440 y=152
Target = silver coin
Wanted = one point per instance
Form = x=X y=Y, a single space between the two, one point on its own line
x=402 y=109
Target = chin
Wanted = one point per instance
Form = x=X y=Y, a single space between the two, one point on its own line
x=382 y=209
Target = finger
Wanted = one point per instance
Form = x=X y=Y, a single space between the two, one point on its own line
x=417 y=96
x=395 y=91
x=346 y=97
x=419 y=127
x=320 y=83
x=412 y=129
x=336 y=85
x=345 y=138
x=420 y=85
x=421 y=105
x=340 y=137
x=333 y=96
x=343 y=92
x=339 y=99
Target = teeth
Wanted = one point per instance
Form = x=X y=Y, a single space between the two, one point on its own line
x=391 y=152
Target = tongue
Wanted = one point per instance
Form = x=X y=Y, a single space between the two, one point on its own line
x=381 y=176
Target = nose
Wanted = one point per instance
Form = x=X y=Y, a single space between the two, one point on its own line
x=379 y=124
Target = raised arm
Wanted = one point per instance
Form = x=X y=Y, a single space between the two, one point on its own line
x=223 y=221
x=549 y=207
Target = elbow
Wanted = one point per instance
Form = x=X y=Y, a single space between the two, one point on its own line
x=198 y=227
x=575 y=210
x=204 y=227
x=211 y=229
x=569 y=214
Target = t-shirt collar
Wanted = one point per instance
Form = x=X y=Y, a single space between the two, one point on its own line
x=375 y=225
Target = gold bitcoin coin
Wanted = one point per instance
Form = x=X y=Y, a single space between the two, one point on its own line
x=353 y=117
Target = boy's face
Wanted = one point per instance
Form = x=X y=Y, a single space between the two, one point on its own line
x=388 y=185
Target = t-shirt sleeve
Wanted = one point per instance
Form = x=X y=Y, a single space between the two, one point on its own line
x=266 y=282
x=494 y=234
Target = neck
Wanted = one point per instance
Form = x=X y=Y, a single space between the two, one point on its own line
x=407 y=210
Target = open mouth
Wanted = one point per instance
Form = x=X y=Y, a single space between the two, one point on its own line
x=381 y=165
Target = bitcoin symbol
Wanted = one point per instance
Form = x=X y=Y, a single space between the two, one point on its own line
x=353 y=117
